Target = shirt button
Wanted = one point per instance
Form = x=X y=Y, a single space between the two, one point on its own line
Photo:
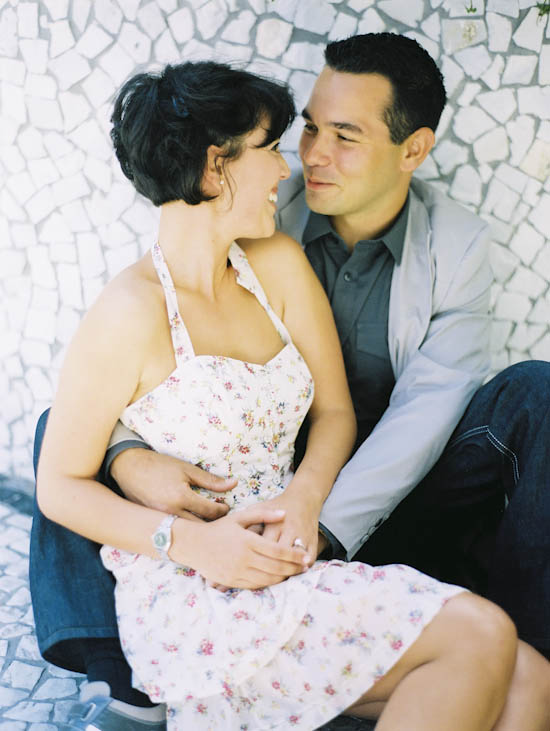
x=347 y=277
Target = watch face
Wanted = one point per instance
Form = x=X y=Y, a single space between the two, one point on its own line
x=160 y=540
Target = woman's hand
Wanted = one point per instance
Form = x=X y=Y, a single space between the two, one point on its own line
x=301 y=520
x=229 y=555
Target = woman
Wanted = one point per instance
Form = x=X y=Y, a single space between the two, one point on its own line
x=210 y=351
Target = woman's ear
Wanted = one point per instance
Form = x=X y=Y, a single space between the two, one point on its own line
x=214 y=178
x=416 y=148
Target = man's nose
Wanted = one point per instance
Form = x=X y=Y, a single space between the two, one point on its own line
x=313 y=150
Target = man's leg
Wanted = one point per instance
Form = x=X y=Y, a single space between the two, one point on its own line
x=481 y=517
x=73 y=602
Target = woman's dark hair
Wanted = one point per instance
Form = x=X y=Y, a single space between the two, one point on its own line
x=164 y=123
x=418 y=93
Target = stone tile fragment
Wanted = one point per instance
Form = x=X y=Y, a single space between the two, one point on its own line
x=541 y=350
x=57 y=9
x=500 y=104
x=181 y=25
x=432 y=26
x=29 y=711
x=22 y=675
x=210 y=18
x=500 y=331
x=535 y=100
x=475 y=60
x=8 y=33
x=530 y=32
x=409 y=13
x=56 y=688
x=512 y=306
x=344 y=26
x=459 y=34
x=512 y=177
x=371 y=22
x=492 y=146
x=135 y=43
x=27 y=19
x=151 y=20
x=315 y=16
x=108 y=13
x=61 y=38
x=519 y=69
x=69 y=68
x=537 y=161
x=521 y=132
x=305 y=56
x=539 y=215
x=470 y=123
x=93 y=41
x=452 y=74
x=466 y=185
x=238 y=30
x=286 y=9
x=504 y=7
x=272 y=37
x=232 y=52
x=13 y=70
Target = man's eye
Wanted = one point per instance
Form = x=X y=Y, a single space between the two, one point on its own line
x=346 y=139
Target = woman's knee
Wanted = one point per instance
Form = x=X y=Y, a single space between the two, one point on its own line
x=485 y=633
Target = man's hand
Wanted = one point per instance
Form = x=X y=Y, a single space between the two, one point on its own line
x=164 y=483
x=230 y=555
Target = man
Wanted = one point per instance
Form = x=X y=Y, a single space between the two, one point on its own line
x=407 y=274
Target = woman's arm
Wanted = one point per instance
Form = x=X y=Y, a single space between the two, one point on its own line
x=102 y=372
x=296 y=293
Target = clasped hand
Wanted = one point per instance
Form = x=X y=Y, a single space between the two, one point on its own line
x=250 y=548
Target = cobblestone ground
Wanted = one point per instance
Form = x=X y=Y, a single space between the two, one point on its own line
x=36 y=696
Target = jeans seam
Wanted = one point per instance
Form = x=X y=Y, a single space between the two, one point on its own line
x=495 y=441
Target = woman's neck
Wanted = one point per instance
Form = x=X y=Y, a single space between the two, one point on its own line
x=194 y=246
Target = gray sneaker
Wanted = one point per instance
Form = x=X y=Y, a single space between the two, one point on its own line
x=97 y=711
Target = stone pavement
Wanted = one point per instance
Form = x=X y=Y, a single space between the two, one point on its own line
x=36 y=696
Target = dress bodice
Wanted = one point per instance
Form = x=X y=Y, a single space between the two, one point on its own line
x=233 y=418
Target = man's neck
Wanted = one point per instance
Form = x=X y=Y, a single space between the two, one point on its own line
x=369 y=224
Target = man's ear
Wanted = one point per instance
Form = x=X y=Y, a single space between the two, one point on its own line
x=416 y=147
x=213 y=171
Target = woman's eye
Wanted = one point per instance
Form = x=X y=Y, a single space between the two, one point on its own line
x=309 y=128
x=346 y=139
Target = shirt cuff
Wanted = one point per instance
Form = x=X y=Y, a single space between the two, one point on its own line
x=334 y=549
x=114 y=451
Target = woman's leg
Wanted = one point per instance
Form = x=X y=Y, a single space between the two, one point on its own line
x=454 y=677
x=528 y=703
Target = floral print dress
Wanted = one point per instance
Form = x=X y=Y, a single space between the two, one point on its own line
x=293 y=655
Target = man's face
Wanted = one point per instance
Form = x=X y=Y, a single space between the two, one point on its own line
x=351 y=167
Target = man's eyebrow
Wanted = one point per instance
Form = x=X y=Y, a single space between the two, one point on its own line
x=348 y=126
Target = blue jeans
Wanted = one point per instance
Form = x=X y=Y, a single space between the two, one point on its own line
x=480 y=518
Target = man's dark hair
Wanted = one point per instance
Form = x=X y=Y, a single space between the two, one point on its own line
x=164 y=123
x=417 y=84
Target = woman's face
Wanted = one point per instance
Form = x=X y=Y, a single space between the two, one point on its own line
x=253 y=179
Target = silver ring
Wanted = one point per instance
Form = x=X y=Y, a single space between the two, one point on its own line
x=298 y=543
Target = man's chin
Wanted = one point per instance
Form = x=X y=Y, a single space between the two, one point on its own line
x=316 y=203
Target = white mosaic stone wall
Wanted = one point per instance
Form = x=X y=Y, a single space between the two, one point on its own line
x=70 y=221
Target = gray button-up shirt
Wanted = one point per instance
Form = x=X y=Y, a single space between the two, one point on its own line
x=357 y=284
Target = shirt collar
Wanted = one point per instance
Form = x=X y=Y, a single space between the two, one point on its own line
x=319 y=225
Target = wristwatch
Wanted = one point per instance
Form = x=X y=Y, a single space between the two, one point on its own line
x=162 y=537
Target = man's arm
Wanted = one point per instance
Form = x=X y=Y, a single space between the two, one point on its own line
x=158 y=480
x=429 y=398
